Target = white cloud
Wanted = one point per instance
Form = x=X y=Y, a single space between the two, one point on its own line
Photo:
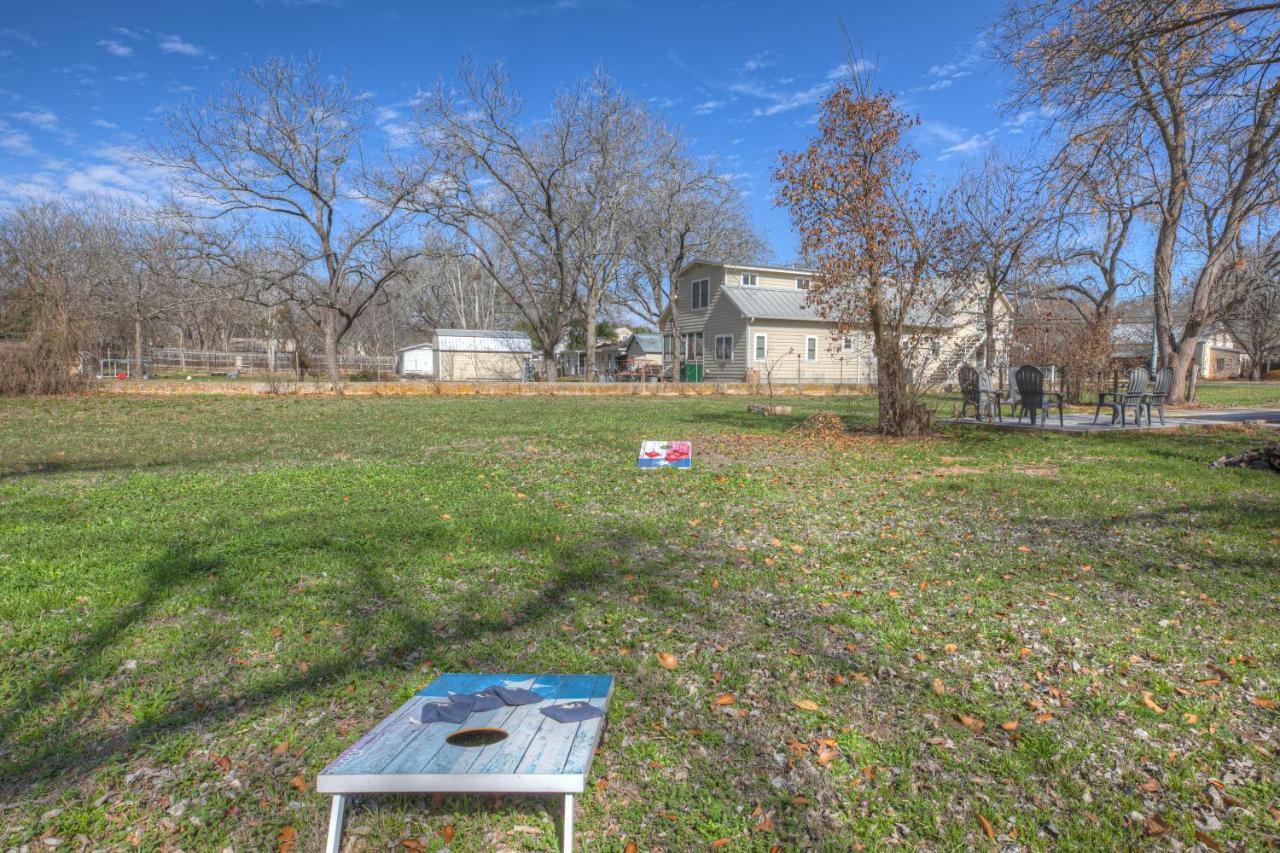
x=781 y=100
x=758 y=61
x=175 y=44
x=844 y=69
x=40 y=118
x=973 y=143
x=21 y=36
x=104 y=124
x=115 y=48
x=136 y=35
x=16 y=142
x=708 y=107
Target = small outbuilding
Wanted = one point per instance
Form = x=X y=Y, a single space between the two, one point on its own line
x=469 y=355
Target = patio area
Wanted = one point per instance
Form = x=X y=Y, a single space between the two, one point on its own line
x=1082 y=422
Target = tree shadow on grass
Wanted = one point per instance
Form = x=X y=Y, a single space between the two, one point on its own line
x=375 y=600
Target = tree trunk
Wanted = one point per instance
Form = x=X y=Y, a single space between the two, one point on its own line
x=989 y=319
x=1181 y=359
x=549 y=364
x=589 y=319
x=675 y=338
x=331 y=351
x=138 y=370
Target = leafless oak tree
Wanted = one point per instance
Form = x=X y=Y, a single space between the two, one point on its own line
x=1195 y=83
x=280 y=153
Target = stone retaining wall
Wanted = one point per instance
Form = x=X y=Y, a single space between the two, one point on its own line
x=455 y=389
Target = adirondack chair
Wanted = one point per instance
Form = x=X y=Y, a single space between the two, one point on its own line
x=1159 y=393
x=976 y=391
x=1132 y=397
x=1036 y=400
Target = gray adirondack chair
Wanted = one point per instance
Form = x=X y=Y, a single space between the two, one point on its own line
x=1132 y=397
x=1159 y=393
x=976 y=391
x=1035 y=400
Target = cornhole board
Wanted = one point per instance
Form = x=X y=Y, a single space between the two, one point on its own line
x=537 y=756
x=665 y=454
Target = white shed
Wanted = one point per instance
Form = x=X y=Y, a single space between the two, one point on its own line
x=416 y=360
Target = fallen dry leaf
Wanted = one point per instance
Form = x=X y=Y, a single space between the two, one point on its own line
x=1148 y=699
x=939 y=687
x=281 y=748
x=630 y=848
x=1269 y=704
x=298 y=784
x=971 y=723
x=805 y=704
x=1009 y=725
x=725 y=699
x=666 y=660
x=720 y=842
x=447 y=834
x=987 y=829
x=285 y=840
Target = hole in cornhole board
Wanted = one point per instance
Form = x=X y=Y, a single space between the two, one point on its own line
x=476 y=737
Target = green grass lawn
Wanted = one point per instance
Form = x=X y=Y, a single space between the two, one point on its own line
x=1059 y=641
x=1239 y=394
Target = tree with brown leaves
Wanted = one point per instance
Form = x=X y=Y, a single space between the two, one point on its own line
x=877 y=238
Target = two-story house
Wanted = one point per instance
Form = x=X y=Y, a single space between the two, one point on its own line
x=737 y=322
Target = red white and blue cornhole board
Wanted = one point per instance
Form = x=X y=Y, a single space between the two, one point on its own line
x=537 y=756
x=665 y=454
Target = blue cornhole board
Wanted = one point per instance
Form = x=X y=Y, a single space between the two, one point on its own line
x=538 y=756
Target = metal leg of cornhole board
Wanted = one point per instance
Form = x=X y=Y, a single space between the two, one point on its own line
x=566 y=842
x=334 y=844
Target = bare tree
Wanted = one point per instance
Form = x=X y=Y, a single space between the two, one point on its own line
x=1254 y=318
x=686 y=211
x=607 y=187
x=282 y=148
x=1004 y=214
x=506 y=193
x=1100 y=203
x=1193 y=82
x=879 y=238
x=48 y=279
x=448 y=288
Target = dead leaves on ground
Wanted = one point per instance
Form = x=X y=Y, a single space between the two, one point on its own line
x=666 y=660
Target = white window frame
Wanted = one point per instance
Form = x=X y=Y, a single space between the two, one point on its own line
x=701 y=287
x=806 y=283
x=761 y=354
x=693 y=346
x=810 y=348
x=724 y=353
x=749 y=279
x=846 y=343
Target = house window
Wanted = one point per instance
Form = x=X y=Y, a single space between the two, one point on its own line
x=700 y=293
x=935 y=347
x=693 y=346
x=846 y=343
x=749 y=279
x=802 y=284
x=762 y=347
x=810 y=348
x=724 y=347
x=1222 y=364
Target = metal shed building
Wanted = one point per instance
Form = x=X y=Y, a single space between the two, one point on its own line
x=469 y=355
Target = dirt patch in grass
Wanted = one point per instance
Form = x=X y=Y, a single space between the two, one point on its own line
x=1037 y=470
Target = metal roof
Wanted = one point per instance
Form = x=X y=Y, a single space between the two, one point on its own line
x=648 y=342
x=780 y=303
x=482 y=340
x=771 y=303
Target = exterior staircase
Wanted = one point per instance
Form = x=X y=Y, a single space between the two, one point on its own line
x=944 y=372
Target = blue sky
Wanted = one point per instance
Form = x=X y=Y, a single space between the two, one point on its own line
x=83 y=85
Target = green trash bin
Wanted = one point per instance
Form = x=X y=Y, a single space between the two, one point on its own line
x=692 y=372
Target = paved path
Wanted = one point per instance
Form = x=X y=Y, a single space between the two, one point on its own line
x=1076 y=422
